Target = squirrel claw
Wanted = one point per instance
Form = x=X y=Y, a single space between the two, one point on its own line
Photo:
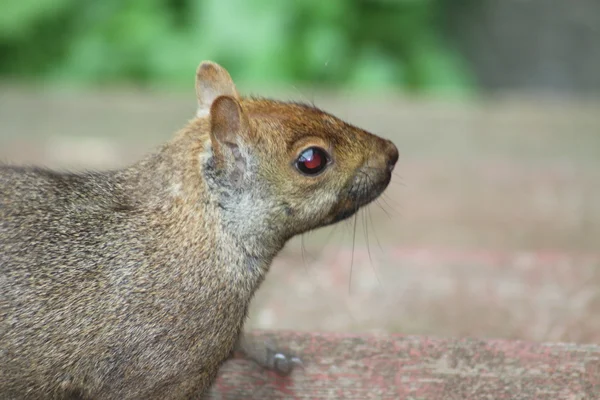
x=283 y=364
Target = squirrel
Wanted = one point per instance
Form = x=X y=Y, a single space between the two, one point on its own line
x=135 y=283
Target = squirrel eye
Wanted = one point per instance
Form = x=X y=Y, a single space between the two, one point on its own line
x=312 y=161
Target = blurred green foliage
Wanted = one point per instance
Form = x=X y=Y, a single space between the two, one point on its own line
x=368 y=44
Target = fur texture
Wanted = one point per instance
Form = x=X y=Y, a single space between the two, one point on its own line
x=135 y=283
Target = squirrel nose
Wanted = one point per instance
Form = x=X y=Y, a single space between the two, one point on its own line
x=392 y=155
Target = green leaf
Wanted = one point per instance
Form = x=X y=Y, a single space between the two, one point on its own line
x=375 y=70
x=19 y=17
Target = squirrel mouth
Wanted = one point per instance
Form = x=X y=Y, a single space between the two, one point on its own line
x=344 y=214
x=362 y=192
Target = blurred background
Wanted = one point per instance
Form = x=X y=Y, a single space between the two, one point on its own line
x=491 y=225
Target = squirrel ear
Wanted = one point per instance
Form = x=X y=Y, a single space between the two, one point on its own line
x=227 y=122
x=212 y=81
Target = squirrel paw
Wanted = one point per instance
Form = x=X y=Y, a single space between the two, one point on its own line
x=283 y=363
x=268 y=355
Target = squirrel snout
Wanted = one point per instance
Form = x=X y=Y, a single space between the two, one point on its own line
x=392 y=155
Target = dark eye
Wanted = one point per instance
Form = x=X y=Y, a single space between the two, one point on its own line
x=312 y=161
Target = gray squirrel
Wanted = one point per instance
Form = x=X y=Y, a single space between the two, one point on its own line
x=135 y=283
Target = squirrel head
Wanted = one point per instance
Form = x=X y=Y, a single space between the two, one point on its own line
x=278 y=169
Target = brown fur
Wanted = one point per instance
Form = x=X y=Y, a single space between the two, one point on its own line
x=135 y=283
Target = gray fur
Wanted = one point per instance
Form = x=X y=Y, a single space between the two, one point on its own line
x=135 y=283
x=101 y=294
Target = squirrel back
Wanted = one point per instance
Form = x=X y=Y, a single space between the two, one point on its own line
x=135 y=283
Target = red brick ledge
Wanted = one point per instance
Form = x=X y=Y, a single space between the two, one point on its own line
x=371 y=366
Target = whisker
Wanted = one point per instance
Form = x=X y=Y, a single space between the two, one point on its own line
x=302 y=252
x=302 y=95
x=385 y=199
x=361 y=189
x=383 y=209
x=352 y=259
x=330 y=235
x=365 y=214
x=374 y=230
x=383 y=195
x=366 y=232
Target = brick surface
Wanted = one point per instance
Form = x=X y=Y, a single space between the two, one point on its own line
x=401 y=368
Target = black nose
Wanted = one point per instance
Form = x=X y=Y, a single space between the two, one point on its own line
x=392 y=155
